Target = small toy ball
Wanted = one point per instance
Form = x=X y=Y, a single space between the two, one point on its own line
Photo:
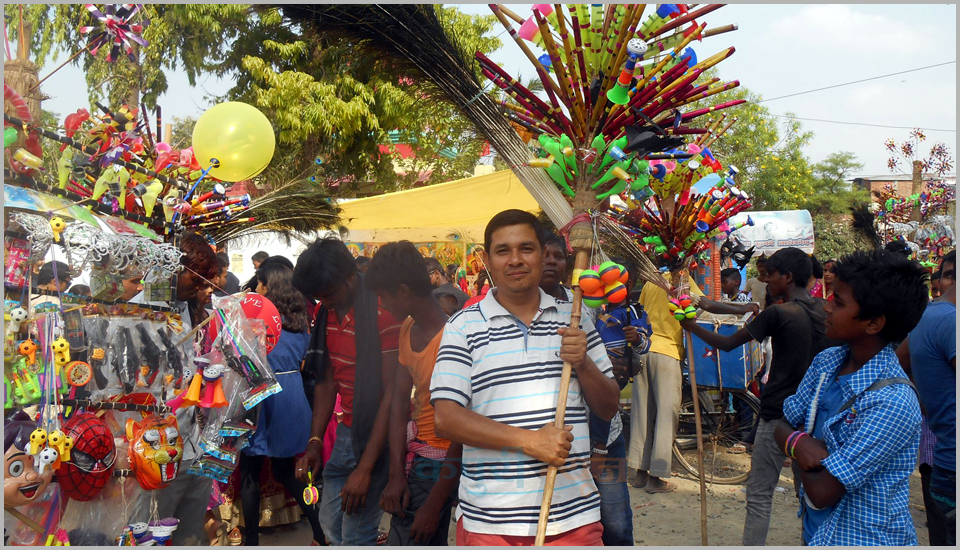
x=690 y=312
x=596 y=299
x=624 y=275
x=673 y=304
x=679 y=315
x=615 y=293
x=685 y=301
x=589 y=281
x=609 y=272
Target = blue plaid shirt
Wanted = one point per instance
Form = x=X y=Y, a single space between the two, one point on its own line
x=873 y=450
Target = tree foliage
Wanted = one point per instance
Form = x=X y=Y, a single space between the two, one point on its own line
x=766 y=149
x=832 y=193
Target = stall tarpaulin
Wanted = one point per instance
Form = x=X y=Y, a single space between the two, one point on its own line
x=454 y=211
x=775 y=230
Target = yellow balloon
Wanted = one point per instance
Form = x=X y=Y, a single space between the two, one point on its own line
x=237 y=135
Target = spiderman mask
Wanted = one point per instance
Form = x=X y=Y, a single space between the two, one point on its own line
x=91 y=459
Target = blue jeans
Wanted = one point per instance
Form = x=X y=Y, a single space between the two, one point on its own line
x=616 y=516
x=341 y=529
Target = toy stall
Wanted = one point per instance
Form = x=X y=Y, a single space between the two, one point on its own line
x=94 y=382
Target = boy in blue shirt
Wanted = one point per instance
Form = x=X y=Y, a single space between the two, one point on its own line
x=853 y=425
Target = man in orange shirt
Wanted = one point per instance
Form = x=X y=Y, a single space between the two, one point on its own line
x=424 y=468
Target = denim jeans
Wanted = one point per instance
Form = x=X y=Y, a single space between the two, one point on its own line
x=341 y=529
x=945 y=503
x=423 y=476
x=765 y=466
x=616 y=516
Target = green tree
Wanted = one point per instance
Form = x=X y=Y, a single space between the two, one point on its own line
x=766 y=149
x=834 y=238
x=832 y=193
x=187 y=37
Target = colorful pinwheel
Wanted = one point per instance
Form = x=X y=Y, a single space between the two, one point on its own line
x=117 y=29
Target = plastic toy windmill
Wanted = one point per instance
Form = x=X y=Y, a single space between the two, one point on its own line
x=115 y=27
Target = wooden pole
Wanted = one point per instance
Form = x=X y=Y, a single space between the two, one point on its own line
x=916 y=187
x=580 y=263
x=27 y=521
x=696 y=419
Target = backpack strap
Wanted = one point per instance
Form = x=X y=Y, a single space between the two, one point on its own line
x=876 y=386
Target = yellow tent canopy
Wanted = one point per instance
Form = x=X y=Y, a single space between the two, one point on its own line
x=457 y=210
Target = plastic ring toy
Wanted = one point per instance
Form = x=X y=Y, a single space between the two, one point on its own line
x=78 y=373
x=310 y=495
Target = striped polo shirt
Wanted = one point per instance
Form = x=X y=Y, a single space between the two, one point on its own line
x=493 y=364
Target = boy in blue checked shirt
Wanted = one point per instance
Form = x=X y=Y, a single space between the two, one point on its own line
x=854 y=424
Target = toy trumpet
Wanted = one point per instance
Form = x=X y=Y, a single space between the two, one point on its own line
x=218 y=189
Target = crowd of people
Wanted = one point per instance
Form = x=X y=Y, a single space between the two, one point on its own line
x=447 y=401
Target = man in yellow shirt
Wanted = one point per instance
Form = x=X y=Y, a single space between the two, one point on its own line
x=656 y=394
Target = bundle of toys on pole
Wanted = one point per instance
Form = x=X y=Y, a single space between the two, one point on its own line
x=621 y=87
x=92 y=382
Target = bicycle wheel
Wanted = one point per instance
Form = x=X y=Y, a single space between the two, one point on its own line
x=727 y=419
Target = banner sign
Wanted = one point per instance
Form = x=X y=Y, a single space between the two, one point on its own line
x=775 y=230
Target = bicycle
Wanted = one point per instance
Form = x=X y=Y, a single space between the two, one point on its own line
x=728 y=418
x=727 y=422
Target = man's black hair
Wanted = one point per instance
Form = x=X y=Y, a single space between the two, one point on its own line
x=729 y=273
x=260 y=256
x=794 y=261
x=223 y=260
x=950 y=258
x=46 y=275
x=362 y=260
x=395 y=264
x=888 y=284
x=897 y=246
x=508 y=218
x=762 y=259
x=323 y=265
x=553 y=238
x=816 y=268
x=431 y=265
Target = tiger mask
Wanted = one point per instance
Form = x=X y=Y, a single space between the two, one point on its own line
x=155 y=450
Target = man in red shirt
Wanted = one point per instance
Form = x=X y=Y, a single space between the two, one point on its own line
x=354 y=353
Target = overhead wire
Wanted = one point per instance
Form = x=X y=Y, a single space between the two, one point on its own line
x=856 y=82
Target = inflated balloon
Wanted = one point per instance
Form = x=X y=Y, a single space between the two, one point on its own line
x=238 y=136
x=9 y=136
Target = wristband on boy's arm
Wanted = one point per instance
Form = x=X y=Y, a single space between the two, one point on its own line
x=793 y=446
x=788 y=444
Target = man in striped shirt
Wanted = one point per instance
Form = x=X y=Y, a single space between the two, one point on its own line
x=495 y=389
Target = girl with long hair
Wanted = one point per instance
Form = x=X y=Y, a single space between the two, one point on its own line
x=283 y=428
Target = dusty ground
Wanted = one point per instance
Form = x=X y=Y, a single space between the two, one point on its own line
x=673 y=519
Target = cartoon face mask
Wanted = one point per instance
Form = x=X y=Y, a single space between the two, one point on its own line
x=91 y=459
x=155 y=450
x=21 y=482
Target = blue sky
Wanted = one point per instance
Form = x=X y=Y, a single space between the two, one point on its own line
x=781 y=49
